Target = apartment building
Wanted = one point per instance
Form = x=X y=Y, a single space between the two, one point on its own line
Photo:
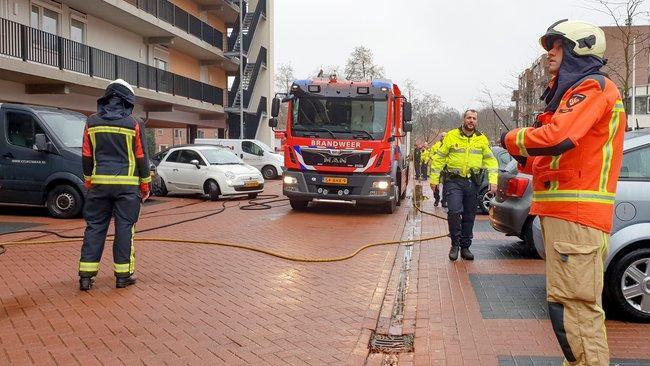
x=533 y=81
x=176 y=53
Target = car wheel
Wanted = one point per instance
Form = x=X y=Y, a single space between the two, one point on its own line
x=390 y=207
x=484 y=201
x=627 y=286
x=64 y=202
x=298 y=205
x=252 y=196
x=159 y=188
x=527 y=237
x=269 y=172
x=213 y=190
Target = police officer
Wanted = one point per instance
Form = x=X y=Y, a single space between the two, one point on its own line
x=116 y=172
x=424 y=161
x=467 y=156
x=417 y=161
x=574 y=153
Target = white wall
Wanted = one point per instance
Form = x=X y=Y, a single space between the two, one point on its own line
x=113 y=39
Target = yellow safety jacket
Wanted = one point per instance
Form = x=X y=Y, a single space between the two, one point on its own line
x=463 y=155
x=431 y=152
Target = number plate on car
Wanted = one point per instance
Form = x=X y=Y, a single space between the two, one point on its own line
x=251 y=184
x=335 y=180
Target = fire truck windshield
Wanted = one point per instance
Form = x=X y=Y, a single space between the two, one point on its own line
x=339 y=118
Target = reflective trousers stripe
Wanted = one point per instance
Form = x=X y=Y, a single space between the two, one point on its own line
x=88 y=266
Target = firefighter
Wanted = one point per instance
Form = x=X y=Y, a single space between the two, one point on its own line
x=467 y=156
x=430 y=154
x=116 y=173
x=574 y=153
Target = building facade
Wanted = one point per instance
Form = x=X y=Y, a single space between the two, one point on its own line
x=533 y=81
x=176 y=54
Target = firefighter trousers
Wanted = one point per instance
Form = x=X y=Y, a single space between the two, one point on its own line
x=462 y=197
x=574 y=284
x=102 y=203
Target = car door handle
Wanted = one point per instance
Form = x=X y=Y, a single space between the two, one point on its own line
x=8 y=156
x=174 y=170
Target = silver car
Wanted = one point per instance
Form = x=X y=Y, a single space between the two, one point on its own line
x=627 y=268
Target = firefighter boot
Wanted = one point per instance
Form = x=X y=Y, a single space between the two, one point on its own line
x=85 y=283
x=466 y=254
x=453 y=253
x=122 y=282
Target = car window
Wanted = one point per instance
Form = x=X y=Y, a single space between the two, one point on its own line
x=635 y=164
x=22 y=129
x=251 y=148
x=188 y=155
x=173 y=157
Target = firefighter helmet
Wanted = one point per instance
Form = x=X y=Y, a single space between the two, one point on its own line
x=584 y=39
x=124 y=84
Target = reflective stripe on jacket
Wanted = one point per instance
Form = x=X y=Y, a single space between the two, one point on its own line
x=113 y=152
x=431 y=152
x=463 y=155
x=575 y=156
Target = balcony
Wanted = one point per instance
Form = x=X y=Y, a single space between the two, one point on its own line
x=227 y=9
x=28 y=45
x=161 y=21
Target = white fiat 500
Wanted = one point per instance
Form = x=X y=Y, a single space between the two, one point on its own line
x=207 y=170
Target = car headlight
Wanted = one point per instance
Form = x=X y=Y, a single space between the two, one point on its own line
x=290 y=180
x=230 y=175
x=380 y=184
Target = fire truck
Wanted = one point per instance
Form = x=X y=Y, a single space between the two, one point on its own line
x=345 y=141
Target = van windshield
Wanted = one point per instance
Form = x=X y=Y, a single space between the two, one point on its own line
x=68 y=127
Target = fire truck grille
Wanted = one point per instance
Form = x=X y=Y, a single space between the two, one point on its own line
x=343 y=159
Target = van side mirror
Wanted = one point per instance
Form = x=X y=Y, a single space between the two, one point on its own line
x=195 y=163
x=273 y=122
x=41 y=142
x=407 y=112
x=408 y=127
x=275 y=107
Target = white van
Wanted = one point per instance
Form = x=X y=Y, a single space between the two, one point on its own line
x=253 y=152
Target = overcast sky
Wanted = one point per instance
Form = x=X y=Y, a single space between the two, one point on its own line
x=449 y=48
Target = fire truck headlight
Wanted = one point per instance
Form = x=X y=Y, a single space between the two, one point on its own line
x=380 y=184
x=290 y=180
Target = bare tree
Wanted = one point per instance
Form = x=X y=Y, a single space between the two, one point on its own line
x=426 y=125
x=494 y=118
x=360 y=65
x=284 y=77
x=624 y=13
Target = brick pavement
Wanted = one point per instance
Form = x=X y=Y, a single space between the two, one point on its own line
x=203 y=305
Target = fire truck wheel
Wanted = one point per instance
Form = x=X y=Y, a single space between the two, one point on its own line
x=390 y=207
x=298 y=205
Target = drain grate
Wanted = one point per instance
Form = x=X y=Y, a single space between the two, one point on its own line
x=384 y=343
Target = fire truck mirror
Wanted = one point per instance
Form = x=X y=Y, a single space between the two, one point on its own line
x=275 y=107
x=273 y=122
x=406 y=112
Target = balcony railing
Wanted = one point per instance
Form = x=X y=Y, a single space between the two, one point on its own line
x=30 y=44
x=172 y=14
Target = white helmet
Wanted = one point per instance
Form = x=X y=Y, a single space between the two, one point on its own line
x=586 y=39
x=124 y=84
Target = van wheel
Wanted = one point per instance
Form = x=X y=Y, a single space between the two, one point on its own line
x=269 y=172
x=627 y=285
x=213 y=190
x=64 y=202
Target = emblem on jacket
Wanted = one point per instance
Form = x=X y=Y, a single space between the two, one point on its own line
x=575 y=99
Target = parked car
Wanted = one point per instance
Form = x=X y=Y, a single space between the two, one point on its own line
x=207 y=170
x=510 y=207
x=627 y=267
x=40 y=158
x=252 y=152
x=485 y=197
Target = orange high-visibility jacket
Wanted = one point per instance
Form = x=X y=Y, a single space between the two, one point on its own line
x=575 y=156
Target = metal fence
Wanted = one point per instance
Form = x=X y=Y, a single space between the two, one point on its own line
x=30 y=44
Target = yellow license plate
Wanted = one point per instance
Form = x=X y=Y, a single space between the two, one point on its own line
x=333 y=180
x=251 y=184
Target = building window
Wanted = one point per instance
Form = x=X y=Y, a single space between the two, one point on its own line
x=163 y=147
x=200 y=134
x=161 y=64
x=77 y=31
x=647 y=104
x=160 y=131
x=221 y=133
x=44 y=19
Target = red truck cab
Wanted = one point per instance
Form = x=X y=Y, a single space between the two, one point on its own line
x=345 y=141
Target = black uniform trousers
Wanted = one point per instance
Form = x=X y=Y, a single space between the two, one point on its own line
x=103 y=202
x=424 y=168
x=462 y=199
x=418 y=168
